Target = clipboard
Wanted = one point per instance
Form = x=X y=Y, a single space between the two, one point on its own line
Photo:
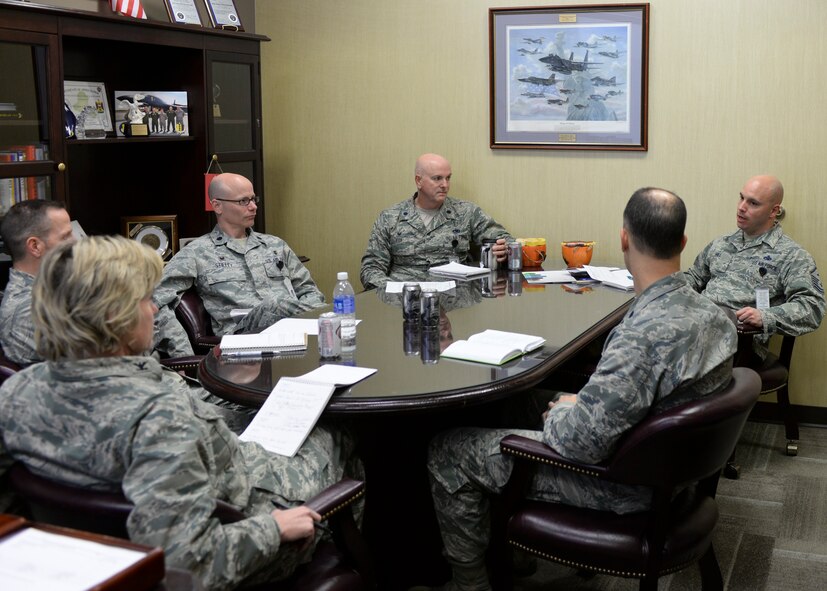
x=142 y=574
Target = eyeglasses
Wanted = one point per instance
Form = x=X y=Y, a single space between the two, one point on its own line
x=243 y=202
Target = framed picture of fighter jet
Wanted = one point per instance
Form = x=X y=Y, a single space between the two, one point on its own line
x=569 y=77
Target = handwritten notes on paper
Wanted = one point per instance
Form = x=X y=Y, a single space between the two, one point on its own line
x=295 y=404
x=288 y=415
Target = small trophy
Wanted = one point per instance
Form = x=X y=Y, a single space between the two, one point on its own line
x=136 y=124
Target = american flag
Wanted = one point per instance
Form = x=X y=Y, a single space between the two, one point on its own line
x=131 y=8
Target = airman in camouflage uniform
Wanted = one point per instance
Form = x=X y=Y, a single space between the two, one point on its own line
x=123 y=423
x=99 y=415
x=48 y=223
x=426 y=230
x=234 y=267
x=672 y=346
x=758 y=254
x=16 y=328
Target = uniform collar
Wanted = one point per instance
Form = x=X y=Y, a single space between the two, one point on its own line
x=106 y=367
x=770 y=237
x=220 y=238
x=447 y=211
x=22 y=276
x=661 y=287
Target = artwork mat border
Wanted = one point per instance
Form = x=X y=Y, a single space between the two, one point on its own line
x=168 y=224
x=500 y=19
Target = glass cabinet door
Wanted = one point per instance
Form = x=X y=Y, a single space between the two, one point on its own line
x=233 y=108
x=30 y=139
x=234 y=117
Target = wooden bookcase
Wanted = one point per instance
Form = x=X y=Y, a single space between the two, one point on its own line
x=101 y=180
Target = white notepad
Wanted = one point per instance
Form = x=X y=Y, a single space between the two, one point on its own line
x=271 y=342
x=295 y=404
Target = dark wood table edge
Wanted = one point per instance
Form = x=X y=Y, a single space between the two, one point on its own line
x=444 y=400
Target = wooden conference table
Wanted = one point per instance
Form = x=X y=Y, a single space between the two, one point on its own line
x=568 y=320
x=395 y=412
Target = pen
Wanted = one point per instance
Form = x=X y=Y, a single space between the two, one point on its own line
x=318 y=525
x=243 y=354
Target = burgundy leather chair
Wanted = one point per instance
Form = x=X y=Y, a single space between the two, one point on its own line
x=667 y=452
x=197 y=323
x=343 y=564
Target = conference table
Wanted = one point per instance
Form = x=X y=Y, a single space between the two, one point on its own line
x=408 y=379
x=395 y=412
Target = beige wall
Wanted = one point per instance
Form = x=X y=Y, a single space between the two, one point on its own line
x=354 y=91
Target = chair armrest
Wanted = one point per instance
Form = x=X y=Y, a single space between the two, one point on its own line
x=743 y=331
x=188 y=364
x=185 y=363
x=523 y=448
x=208 y=341
x=336 y=497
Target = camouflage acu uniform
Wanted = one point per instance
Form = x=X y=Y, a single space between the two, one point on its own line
x=401 y=248
x=727 y=272
x=672 y=346
x=16 y=328
x=265 y=276
x=122 y=423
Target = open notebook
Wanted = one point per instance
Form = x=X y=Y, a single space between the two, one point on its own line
x=493 y=347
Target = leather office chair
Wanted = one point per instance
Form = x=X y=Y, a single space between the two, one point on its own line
x=197 y=323
x=774 y=372
x=343 y=564
x=668 y=451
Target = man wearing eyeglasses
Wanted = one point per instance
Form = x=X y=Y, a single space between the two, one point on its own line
x=234 y=268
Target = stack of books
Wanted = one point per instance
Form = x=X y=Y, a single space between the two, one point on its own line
x=9 y=111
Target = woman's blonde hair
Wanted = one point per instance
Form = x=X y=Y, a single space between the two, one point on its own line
x=86 y=294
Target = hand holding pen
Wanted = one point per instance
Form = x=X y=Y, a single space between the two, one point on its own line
x=293 y=522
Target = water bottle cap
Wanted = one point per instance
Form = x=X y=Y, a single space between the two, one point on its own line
x=341 y=276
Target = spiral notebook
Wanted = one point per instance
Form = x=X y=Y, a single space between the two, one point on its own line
x=271 y=342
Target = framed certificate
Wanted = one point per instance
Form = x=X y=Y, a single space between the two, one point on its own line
x=183 y=11
x=158 y=232
x=224 y=15
x=79 y=95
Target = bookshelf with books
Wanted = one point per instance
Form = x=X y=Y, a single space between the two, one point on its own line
x=101 y=180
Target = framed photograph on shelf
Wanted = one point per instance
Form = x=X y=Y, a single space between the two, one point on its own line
x=569 y=77
x=153 y=112
x=224 y=15
x=183 y=11
x=158 y=232
x=88 y=103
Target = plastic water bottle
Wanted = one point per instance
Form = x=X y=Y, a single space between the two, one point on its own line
x=344 y=304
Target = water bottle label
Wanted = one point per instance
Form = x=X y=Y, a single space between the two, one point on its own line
x=344 y=304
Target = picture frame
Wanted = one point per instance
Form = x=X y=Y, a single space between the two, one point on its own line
x=224 y=15
x=79 y=94
x=148 y=103
x=158 y=232
x=183 y=12
x=569 y=77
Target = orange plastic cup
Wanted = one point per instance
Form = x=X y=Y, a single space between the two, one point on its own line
x=577 y=253
x=534 y=251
